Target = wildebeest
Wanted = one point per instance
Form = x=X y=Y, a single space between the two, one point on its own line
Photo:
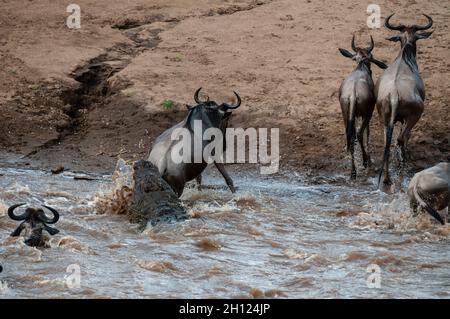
x=357 y=98
x=400 y=90
x=211 y=115
x=34 y=223
x=429 y=190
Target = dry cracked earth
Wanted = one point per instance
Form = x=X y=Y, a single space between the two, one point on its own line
x=80 y=98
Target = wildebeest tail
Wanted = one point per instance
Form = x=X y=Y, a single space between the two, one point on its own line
x=350 y=131
x=430 y=210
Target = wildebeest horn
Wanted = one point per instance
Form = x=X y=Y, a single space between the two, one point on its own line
x=45 y=219
x=372 y=44
x=427 y=26
x=17 y=217
x=391 y=26
x=197 y=99
x=353 y=43
x=232 y=107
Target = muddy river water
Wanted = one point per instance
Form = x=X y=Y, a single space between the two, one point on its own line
x=279 y=236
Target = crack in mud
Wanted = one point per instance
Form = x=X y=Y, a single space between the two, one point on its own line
x=131 y=23
x=93 y=81
x=93 y=76
x=236 y=8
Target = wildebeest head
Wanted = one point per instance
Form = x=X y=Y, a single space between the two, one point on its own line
x=362 y=55
x=34 y=222
x=409 y=34
x=210 y=113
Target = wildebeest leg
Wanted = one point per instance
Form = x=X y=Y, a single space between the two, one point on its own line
x=348 y=112
x=387 y=114
x=414 y=206
x=199 y=182
x=405 y=135
x=387 y=143
x=367 y=138
x=364 y=126
x=225 y=175
x=175 y=184
x=352 y=153
x=448 y=214
x=400 y=142
x=350 y=144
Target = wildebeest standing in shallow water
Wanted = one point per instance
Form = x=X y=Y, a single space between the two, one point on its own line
x=400 y=90
x=357 y=99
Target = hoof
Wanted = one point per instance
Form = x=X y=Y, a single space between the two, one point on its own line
x=367 y=162
x=387 y=182
x=385 y=186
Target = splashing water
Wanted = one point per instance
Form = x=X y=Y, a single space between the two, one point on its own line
x=276 y=237
x=118 y=199
x=3 y=209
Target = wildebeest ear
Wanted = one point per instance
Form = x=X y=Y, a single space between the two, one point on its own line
x=395 y=38
x=227 y=115
x=378 y=63
x=18 y=230
x=52 y=231
x=346 y=53
x=188 y=106
x=423 y=35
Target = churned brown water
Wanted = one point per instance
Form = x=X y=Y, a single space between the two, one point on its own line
x=278 y=236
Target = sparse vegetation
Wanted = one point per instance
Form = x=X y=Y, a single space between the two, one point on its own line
x=178 y=58
x=167 y=103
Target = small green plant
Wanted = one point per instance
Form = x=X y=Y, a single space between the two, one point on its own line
x=178 y=58
x=167 y=103
x=129 y=162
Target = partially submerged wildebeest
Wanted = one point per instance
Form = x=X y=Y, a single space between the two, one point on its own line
x=357 y=98
x=429 y=190
x=211 y=115
x=34 y=223
x=400 y=90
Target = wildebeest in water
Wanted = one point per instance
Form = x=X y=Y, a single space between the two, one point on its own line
x=400 y=90
x=34 y=223
x=429 y=190
x=211 y=115
x=357 y=99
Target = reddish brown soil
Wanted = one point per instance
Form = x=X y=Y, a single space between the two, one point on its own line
x=280 y=55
